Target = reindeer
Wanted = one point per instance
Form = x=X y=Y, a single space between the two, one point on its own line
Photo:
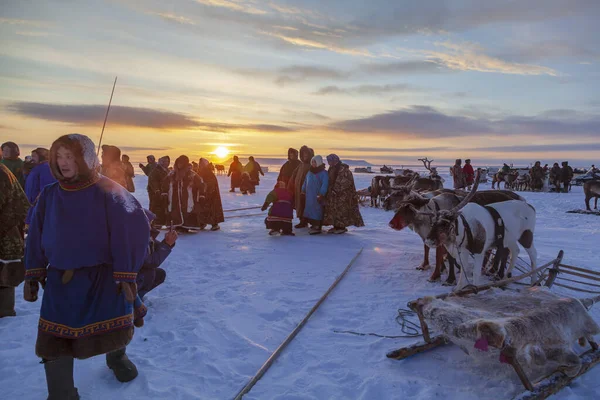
x=416 y=212
x=591 y=189
x=523 y=182
x=398 y=196
x=220 y=169
x=380 y=188
x=470 y=229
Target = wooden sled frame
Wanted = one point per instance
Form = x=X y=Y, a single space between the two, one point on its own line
x=535 y=391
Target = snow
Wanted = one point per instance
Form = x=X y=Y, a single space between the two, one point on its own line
x=232 y=296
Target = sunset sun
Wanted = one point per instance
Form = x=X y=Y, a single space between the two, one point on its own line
x=221 y=152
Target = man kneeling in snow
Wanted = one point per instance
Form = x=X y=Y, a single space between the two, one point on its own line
x=150 y=275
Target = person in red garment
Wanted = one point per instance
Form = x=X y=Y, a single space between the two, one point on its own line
x=469 y=173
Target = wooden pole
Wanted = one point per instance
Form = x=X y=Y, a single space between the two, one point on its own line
x=106 y=116
x=292 y=335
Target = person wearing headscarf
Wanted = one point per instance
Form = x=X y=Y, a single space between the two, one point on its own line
x=235 y=172
x=469 y=174
x=297 y=180
x=13 y=209
x=87 y=241
x=253 y=169
x=10 y=158
x=341 y=207
x=281 y=212
x=287 y=170
x=158 y=202
x=185 y=191
x=315 y=189
x=148 y=168
x=39 y=177
x=129 y=173
x=211 y=210
x=112 y=167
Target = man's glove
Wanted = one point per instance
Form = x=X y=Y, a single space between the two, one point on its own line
x=31 y=289
x=141 y=165
x=264 y=207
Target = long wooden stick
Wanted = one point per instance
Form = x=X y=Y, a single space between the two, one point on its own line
x=292 y=335
x=106 y=116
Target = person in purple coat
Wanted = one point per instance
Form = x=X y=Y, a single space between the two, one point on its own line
x=87 y=241
x=39 y=177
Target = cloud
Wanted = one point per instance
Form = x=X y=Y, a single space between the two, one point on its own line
x=471 y=57
x=405 y=67
x=541 y=148
x=26 y=22
x=173 y=18
x=393 y=149
x=299 y=73
x=135 y=148
x=315 y=44
x=92 y=115
x=427 y=122
x=239 y=6
x=366 y=89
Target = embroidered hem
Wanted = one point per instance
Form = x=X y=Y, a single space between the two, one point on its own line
x=101 y=327
x=73 y=187
x=125 y=276
x=279 y=219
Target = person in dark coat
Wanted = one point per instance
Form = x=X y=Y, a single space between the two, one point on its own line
x=235 y=172
x=148 y=168
x=537 y=176
x=341 y=207
x=555 y=176
x=211 y=210
x=184 y=191
x=566 y=175
x=87 y=241
x=39 y=177
x=458 y=175
x=28 y=166
x=469 y=173
x=10 y=158
x=112 y=167
x=129 y=173
x=246 y=184
x=281 y=213
x=253 y=169
x=13 y=209
x=158 y=205
x=297 y=180
x=151 y=275
x=287 y=170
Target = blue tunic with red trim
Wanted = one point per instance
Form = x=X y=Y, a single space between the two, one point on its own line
x=99 y=231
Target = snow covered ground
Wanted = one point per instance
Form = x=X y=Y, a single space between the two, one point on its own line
x=231 y=297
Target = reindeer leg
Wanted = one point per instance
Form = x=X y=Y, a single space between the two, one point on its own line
x=425 y=265
x=451 y=280
x=478 y=264
x=464 y=264
x=514 y=254
x=439 y=263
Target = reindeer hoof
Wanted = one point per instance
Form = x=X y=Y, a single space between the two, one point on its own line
x=509 y=275
x=449 y=283
x=434 y=279
x=423 y=267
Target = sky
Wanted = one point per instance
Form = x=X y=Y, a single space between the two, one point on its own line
x=385 y=81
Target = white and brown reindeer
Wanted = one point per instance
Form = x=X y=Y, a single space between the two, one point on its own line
x=470 y=229
x=591 y=189
x=380 y=189
x=416 y=212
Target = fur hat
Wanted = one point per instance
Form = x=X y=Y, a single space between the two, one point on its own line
x=306 y=154
x=84 y=151
x=333 y=158
x=14 y=149
x=110 y=153
x=318 y=160
x=182 y=162
x=203 y=162
x=43 y=154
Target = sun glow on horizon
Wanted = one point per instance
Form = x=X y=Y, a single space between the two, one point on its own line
x=221 y=152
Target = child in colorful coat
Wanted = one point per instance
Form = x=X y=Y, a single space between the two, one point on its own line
x=87 y=241
x=281 y=212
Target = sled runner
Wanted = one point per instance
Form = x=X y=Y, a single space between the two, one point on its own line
x=584 y=212
x=523 y=326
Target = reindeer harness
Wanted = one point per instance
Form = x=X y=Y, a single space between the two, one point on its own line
x=477 y=248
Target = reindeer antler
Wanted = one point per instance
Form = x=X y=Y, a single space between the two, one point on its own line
x=426 y=163
x=469 y=197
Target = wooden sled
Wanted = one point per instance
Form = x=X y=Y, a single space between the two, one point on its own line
x=549 y=276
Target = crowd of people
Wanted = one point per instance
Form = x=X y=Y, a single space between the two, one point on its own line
x=70 y=224
x=463 y=177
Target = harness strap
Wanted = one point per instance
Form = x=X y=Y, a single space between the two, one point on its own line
x=469 y=234
x=498 y=227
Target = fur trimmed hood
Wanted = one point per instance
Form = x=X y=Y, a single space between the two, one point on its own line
x=84 y=151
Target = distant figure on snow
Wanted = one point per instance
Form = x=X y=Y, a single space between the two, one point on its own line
x=281 y=213
x=13 y=209
x=158 y=202
x=253 y=169
x=10 y=158
x=566 y=175
x=39 y=177
x=246 y=185
x=87 y=241
x=297 y=181
x=211 y=209
x=555 y=176
x=150 y=166
x=129 y=173
x=469 y=174
x=287 y=170
x=537 y=176
x=341 y=208
x=458 y=175
x=184 y=191
x=315 y=189
x=112 y=167
x=235 y=172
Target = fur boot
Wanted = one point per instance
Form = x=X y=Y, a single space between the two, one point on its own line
x=121 y=365
x=59 y=378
